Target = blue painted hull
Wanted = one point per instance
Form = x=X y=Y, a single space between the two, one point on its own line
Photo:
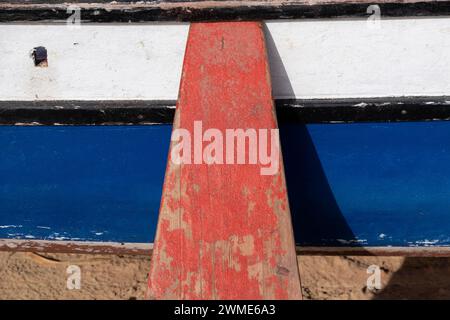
x=371 y=184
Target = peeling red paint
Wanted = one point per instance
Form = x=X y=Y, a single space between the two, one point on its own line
x=224 y=231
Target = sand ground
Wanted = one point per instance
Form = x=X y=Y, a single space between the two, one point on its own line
x=43 y=276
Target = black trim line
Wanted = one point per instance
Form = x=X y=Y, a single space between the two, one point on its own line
x=103 y=12
x=162 y=112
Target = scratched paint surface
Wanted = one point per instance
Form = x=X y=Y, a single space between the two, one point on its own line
x=375 y=184
x=81 y=183
x=224 y=231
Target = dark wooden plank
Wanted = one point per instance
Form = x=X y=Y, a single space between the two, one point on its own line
x=162 y=112
x=436 y=251
x=363 y=110
x=91 y=247
x=86 y=247
x=86 y=112
x=185 y=10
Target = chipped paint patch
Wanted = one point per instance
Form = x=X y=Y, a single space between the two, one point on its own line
x=224 y=232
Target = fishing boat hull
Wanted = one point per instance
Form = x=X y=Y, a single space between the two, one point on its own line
x=362 y=112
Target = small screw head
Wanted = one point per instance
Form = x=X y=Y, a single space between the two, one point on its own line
x=40 y=57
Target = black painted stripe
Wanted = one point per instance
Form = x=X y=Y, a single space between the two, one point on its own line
x=86 y=112
x=123 y=11
x=364 y=110
x=162 y=112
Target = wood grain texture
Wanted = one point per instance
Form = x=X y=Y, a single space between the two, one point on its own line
x=224 y=231
x=206 y=10
x=98 y=247
x=90 y=247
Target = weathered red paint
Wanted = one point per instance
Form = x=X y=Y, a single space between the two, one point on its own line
x=224 y=231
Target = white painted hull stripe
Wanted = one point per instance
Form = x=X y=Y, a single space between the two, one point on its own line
x=310 y=59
